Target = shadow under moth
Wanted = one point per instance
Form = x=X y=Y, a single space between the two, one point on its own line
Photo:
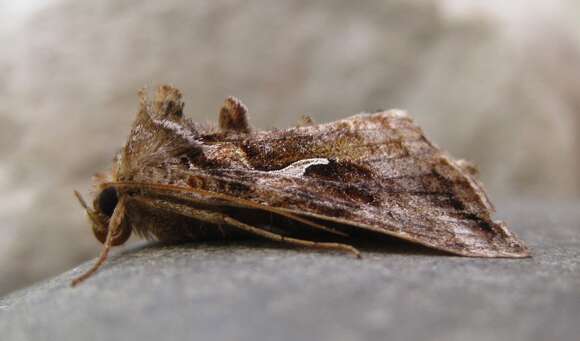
x=313 y=185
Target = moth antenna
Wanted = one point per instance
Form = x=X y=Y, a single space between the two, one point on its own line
x=114 y=224
x=89 y=211
x=82 y=201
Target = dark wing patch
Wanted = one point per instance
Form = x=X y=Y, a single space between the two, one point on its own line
x=434 y=218
x=341 y=170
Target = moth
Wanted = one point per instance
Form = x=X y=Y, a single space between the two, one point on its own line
x=321 y=186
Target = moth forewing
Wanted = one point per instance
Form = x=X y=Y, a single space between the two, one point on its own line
x=375 y=172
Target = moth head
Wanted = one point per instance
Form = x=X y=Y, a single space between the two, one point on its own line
x=104 y=206
x=110 y=225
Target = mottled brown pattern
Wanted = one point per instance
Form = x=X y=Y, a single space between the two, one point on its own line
x=233 y=118
x=376 y=172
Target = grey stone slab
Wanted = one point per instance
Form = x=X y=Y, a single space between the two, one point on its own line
x=259 y=291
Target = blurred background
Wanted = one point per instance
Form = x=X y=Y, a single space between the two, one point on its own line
x=496 y=82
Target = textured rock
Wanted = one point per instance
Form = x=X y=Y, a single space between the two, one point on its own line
x=259 y=291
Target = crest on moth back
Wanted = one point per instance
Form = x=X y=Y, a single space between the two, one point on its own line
x=376 y=172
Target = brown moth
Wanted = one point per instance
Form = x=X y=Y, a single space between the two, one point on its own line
x=314 y=185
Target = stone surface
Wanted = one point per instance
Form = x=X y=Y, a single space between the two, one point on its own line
x=260 y=291
x=498 y=86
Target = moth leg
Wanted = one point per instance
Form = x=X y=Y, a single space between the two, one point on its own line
x=293 y=241
x=238 y=202
x=114 y=226
x=183 y=193
x=218 y=218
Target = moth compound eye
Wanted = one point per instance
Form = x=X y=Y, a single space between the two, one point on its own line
x=107 y=201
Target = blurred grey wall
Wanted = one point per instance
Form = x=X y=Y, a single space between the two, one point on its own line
x=494 y=83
